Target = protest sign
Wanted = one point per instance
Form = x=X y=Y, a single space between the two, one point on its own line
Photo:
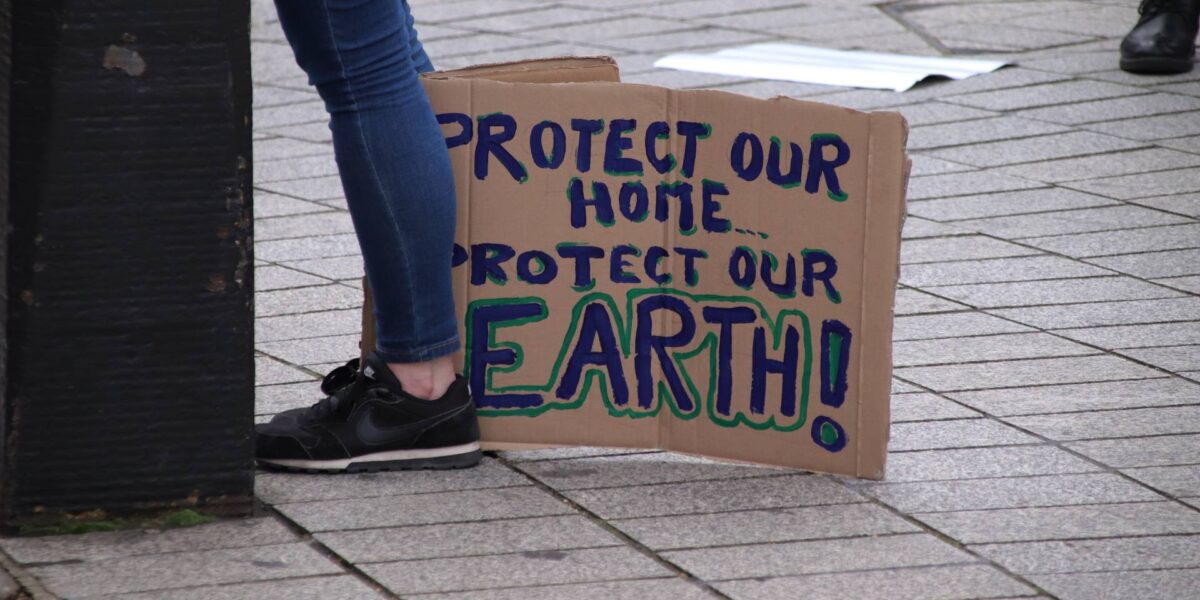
x=696 y=270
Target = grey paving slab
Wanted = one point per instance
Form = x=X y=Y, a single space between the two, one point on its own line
x=1034 y=150
x=1113 y=108
x=1065 y=522
x=917 y=227
x=682 y=79
x=330 y=587
x=933 y=113
x=1121 y=163
x=316 y=132
x=317 y=324
x=1137 y=336
x=635 y=469
x=639 y=589
x=823 y=556
x=541 y=18
x=271 y=399
x=293 y=226
x=1178 y=481
x=1186 y=143
x=528 y=568
x=1094 y=314
x=973 y=463
x=1187 y=284
x=1146 y=239
x=567 y=452
x=928 y=137
x=290 y=114
x=1159 y=450
x=1064 y=291
x=1072 y=221
x=468 y=539
x=1043 y=95
x=659 y=500
x=183 y=569
x=345 y=244
x=1002 y=36
x=1152 y=127
x=1132 y=422
x=985 y=348
x=1142 y=185
x=280 y=488
x=1081 y=397
x=269 y=371
x=927 y=407
x=614 y=28
x=951 y=325
x=307 y=299
x=1184 y=204
x=914 y=302
x=1008 y=492
x=440 y=12
x=695 y=39
x=922 y=583
x=1001 y=204
x=267 y=205
x=338 y=267
x=707 y=8
x=277 y=278
x=1170 y=584
x=1027 y=268
x=925 y=165
x=1153 y=265
x=232 y=533
x=764 y=526
x=1022 y=373
x=423 y=509
x=1083 y=556
x=314 y=351
x=962 y=433
x=1074 y=63
x=766 y=89
x=1171 y=358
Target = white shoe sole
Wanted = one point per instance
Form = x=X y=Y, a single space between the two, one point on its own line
x=447 y=457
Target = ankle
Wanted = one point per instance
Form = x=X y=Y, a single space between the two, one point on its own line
x=427 y=380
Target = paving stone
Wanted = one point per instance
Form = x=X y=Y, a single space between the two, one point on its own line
x=952 y=325
x=962 y=433
x=924 y=583
x=1034 y=150
x=289 y=114
x=764 y=89
x=529 y=568
x=1082 y=556
x=789 y=17
x=1121 y=163
x=913 y=302
x=1020 y=373
x=316 y=132
x=998 y=35
x=313 y=188
x=266 y=96
x=610 y=30
x=1071 y=221
x=704 y=496
x=306 y=300
x=282 y=148
x=901 y=387
x=1172 y=263
x=1185 y=204
x=313 y=351
x=272 y=399
x=1104 y=313
x=1113 y=423
x=1186 y=143
x=317 y=324
x=280 y=488
x=1081 y=397
x=764 y=526
x=1113 y=108
x=340 y=587
x=269 y=371
x=984 y=348
x=1043 y=95
x=183 y=569
x=293 y=226
x=467 y=539
x=823 y=556
x=973 y=463
x=423 y=509
x=640 y=589
x=338 y=267
x=1137 y=336
x=1030 y=293
x=707 y=8
x=635 y=469
x=452 y=12
x=267 y=205
x=277 y=278
x=995 y=270
x=1008 y=492
x=517 y=456
x=541 y=18
x=1152 y=127
x=439 y=50
x=926 y=165
x=1179 y=481
x=689 y=40
x=1064 y=522
x=1188 y=284
x=1171 y=358
x=933 y=113
x=1159 y=450
x=1147 y=239
x=1073 y=64
x=323 y=246
x=926 y=407
x=1144 y=585
x=916 y=227
x=976 y=131
x=1006 y=203
x=229 y=533
x=682 y=79
x=1142 y=185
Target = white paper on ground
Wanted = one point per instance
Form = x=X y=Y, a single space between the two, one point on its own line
x=808 y=64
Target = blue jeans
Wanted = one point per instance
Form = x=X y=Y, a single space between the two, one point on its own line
x=364 y=58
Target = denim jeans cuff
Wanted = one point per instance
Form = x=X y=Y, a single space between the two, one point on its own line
x=420 y=353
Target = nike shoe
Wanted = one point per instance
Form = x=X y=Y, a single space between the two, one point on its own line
x=368 y=423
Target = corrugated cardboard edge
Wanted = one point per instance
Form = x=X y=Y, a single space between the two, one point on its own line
x=883 y=221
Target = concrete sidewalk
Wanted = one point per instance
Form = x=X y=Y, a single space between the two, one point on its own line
x=1046 y=436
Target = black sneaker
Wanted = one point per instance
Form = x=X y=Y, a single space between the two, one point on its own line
x=368 y=423
x=1164 y=39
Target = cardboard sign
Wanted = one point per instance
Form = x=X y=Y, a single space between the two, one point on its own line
x=696 y=271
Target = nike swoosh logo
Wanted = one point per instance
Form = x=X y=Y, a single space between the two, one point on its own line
x=371 y=434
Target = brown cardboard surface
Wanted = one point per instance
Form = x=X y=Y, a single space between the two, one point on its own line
x=670 y=344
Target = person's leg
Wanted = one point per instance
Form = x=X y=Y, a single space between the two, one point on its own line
x=363 y=56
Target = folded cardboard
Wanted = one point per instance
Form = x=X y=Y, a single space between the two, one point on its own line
x=697 y=271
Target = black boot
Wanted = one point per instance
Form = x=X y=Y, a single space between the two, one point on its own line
x=1164 y=39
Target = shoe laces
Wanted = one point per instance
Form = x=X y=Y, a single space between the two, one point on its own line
x=340 y=385
x=1162 y=6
